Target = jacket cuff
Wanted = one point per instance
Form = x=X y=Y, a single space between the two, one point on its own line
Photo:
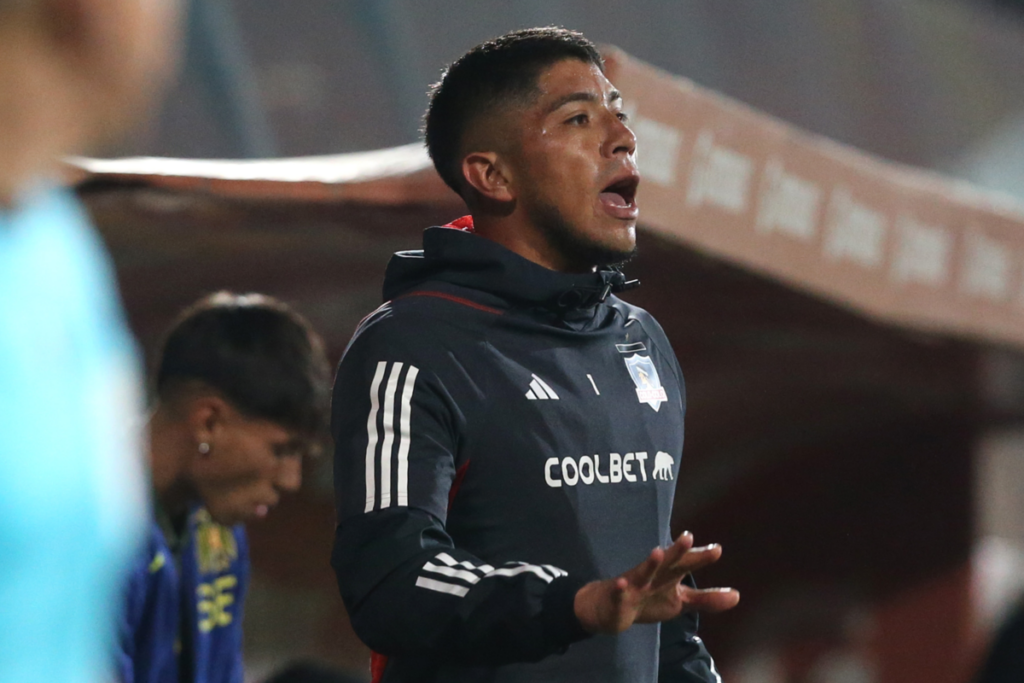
x=561 y=627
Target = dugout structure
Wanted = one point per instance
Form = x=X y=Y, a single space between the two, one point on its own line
x=850 y=330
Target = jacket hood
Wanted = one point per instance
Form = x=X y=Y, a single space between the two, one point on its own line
x=454 y=254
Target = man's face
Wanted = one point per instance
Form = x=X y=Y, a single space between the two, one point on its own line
x=251 y=463
x=575 y=167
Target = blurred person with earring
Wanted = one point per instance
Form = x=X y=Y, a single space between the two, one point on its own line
x=242 y=393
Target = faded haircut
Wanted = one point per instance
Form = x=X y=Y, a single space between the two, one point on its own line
x=258 y=353
x=492 y=75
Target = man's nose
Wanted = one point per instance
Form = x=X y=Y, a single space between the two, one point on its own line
x=289 y=473
x=621 y=139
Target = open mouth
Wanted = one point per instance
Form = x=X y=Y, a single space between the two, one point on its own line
x=619 y=198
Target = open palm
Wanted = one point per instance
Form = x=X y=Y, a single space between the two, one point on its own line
x=653 y=590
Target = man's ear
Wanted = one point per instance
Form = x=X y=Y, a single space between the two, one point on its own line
x=489 y=176
x=207 y=414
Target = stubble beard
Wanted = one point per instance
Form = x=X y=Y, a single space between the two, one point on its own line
x=573 y=245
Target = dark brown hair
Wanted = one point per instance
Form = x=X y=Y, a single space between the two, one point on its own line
x=257 y=352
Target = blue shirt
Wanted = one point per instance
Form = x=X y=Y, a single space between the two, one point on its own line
x=72 y=499
x=184 y=607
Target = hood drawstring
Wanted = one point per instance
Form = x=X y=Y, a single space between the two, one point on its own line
x=612 y=281
x=615 y=281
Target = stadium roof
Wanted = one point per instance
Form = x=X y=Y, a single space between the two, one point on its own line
x=891 y=242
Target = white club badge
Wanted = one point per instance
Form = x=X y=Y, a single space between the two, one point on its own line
x=648 y=384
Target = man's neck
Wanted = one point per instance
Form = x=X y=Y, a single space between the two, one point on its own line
x=169 y=444
x=522 y=237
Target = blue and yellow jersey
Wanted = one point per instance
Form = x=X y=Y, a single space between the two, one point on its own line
x=184 y=609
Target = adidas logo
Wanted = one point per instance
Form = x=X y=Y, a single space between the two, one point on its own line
x=540 y=391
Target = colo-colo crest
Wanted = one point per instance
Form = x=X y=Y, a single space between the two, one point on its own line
x=645 y=377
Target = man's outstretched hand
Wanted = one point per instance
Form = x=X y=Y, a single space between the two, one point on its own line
x=652 y=591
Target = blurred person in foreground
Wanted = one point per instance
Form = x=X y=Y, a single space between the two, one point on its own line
x=73 y=74
x=242 y=393
x=508 y=432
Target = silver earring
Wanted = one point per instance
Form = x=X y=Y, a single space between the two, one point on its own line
x=204 y=448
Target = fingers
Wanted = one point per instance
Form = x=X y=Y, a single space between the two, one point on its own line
x=698 y=558
x=686 y=561
x=665 y=568
x=709 y=600
x=641 y=575
x=679 y=548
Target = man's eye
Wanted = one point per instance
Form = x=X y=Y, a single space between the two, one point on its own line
x=579 y=119
x=623 y=116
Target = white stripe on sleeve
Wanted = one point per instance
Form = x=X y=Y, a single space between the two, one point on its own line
x=371 y=436
x=404 y=436
x=450 y=561
x=714 y=671
x=468 y=577
x=515 y=571
x=441 y=586
x=447 y=559
x=389 y=436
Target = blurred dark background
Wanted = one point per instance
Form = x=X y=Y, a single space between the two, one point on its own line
x=935 y=83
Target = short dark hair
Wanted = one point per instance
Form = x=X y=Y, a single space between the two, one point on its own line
x=492 y=74
x=258 y=353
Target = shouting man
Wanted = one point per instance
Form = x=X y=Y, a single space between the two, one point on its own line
x=508 y=433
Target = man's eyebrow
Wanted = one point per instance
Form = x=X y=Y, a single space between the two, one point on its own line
x=582 y=96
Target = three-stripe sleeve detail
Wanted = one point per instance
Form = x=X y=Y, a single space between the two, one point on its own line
x=396 y=405
x=460 y=577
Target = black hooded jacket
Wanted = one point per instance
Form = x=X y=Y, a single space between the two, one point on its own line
x=504 y=434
